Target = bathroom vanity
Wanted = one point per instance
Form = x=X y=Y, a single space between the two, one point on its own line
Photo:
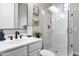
x=16 y=16
x=21 y=47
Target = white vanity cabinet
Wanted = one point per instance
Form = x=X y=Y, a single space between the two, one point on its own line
x=34 y=48
x=31 y=49
x=16 y=52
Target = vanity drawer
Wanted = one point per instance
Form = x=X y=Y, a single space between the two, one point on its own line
x=34 y=53
x=16 y=52
x=35 y=46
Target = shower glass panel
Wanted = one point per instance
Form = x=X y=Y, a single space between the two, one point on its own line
x=74 y=25
x=61 y=28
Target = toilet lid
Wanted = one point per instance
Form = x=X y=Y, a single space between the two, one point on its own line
x=46 y=53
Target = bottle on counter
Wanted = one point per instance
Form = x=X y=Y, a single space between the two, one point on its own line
x=1 y=35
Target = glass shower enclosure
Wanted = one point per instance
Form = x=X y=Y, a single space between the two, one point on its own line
x=58 y=25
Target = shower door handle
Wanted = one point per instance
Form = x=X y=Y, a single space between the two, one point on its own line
x=70 y=31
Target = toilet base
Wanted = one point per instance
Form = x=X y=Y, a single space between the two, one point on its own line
x=45 y=52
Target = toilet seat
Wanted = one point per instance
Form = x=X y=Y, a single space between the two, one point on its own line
x=46 y=53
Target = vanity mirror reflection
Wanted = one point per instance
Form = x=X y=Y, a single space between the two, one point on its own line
x=13 y=16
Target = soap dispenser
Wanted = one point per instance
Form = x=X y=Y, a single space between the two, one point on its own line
x=1 y=35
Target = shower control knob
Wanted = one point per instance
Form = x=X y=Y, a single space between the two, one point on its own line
x=49 y=26
x=71 y=45
x=71 y=14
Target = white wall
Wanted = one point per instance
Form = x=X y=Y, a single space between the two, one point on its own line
x=43 y=6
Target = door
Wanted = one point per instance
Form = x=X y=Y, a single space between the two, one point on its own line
x=60 y=35
x=74 y=28
x=70 y=32
x=75 y=18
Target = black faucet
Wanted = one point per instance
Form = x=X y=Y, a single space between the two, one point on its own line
x=16 y=34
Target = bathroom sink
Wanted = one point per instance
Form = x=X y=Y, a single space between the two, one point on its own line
x=5 y=41
x=14 y=40
x=19 y=40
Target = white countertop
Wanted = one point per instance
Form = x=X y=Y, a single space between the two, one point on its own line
x=12 y=44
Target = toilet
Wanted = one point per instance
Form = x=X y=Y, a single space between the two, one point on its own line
x=45 y=52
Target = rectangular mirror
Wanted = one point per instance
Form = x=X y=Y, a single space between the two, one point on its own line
x=13 y=15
